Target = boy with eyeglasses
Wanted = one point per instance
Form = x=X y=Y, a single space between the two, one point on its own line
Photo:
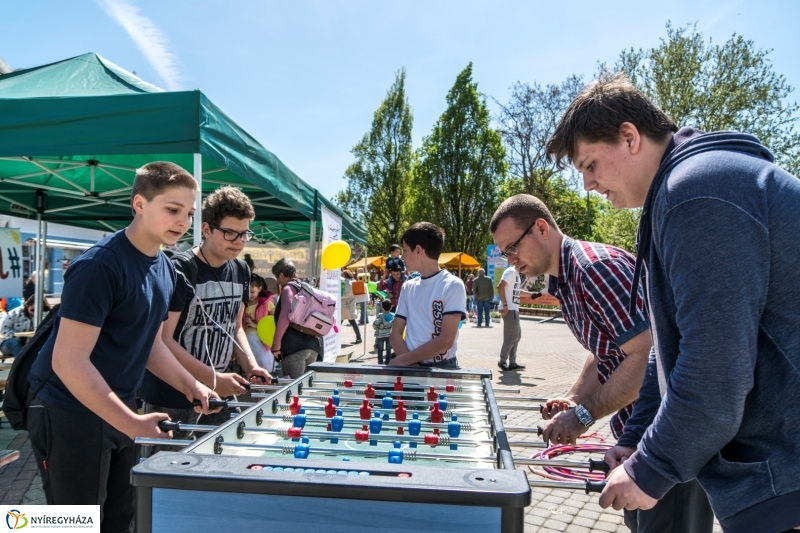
x=205 y=325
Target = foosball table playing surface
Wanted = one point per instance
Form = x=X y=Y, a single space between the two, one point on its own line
x=344 y=448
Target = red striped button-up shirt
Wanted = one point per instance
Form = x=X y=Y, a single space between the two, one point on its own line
x=593 y=287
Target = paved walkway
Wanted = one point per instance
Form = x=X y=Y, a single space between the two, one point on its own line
x=553 y=359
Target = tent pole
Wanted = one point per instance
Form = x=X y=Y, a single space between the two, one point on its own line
x=366 y=312
x=39 y=291
x=198 y=214
x=312 y=252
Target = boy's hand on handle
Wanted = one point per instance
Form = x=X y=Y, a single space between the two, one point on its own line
x=259 y=375
x=617 y=455
x=556 y=405
x=230 y=384
x=147 y=426
x=201 y=393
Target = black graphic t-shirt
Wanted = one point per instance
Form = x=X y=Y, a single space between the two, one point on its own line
x=207 y=322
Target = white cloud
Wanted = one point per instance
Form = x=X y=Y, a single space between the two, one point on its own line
x=148 y=39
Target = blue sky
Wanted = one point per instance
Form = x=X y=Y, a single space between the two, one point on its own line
x=304 y=77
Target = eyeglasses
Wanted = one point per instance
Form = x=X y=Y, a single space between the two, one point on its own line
x=232 y=236
x=512 y=250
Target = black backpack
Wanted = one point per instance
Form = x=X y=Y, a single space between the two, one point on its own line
x=19 y=395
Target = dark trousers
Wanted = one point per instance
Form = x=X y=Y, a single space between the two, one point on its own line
x=355 y=328
x=83 y=461
x=684 y=509
x=483 y=310
x=384 y=347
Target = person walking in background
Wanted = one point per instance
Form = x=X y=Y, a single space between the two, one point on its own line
x=484 y=292
x=509 y=291
x=260 y=305
x=349 y=304
x=362 y=306
x=470 y=293
x=296 y=349
x=383 y=330
x=392 y=260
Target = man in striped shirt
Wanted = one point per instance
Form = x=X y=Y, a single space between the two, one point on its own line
x=593 y=282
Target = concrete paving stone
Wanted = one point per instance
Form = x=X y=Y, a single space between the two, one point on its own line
x=543 y=530
x=583 y=521
x=568 y=508
x=534 y=519
x=542 y=510
x=555 y=524
x=614 y=519
x=605 y=526
x=574 y=528
x=554 y=499
x=586 y=513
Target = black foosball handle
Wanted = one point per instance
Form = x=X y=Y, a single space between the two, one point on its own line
x=169 y=425
x=273 y=381
x=599 y=466
x=595 y=486
x=213 y=403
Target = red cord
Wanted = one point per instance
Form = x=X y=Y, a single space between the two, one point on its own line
x=568 y=474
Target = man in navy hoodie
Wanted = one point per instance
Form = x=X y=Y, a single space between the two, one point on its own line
x=718 y=254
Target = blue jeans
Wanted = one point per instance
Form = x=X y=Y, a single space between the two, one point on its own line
x=483 y=310
x=384 y=347
x=364 y=316
x=11 y=347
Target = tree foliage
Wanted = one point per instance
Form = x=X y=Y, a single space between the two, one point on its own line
x=713 y=87
x=526 y=123
x=462 y=167
x=378 y=181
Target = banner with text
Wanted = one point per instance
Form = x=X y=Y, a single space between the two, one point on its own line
x=495 y=266
x=265 y=255
x=48 y=518
x=331 y=281
x=10 y=263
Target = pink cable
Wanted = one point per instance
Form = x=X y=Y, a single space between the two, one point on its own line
x=568 y=474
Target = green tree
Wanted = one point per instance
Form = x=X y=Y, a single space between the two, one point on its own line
x=462 y=166
x=616 y=227
x=715 y=87
x=526 y=122
x=379 y=179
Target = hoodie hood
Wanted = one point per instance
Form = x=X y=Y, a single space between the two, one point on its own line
x=686 y=142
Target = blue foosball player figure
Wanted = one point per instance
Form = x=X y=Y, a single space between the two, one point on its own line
x=302 y=450
x=454 y=429
x=442 y=402
x=388 y=401
x=336 y=397
x=396 y=454
x=414 y=427
x=375 y=426
x=337 y=424
x=300 y=418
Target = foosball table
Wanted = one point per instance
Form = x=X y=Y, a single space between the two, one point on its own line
x=344 y=448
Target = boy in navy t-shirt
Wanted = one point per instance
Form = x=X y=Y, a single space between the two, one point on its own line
x=115 y=299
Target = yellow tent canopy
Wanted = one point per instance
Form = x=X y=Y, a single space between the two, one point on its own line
x=372 y=262
x=458 y=261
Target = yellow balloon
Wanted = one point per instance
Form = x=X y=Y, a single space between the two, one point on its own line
x=335 y=255
x=266 y=330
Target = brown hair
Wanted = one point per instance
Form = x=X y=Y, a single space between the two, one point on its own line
x=524 y=210
x=156 y=177
x=32 y=301
x=429 y=236
x=597 y=113
x=227 y=201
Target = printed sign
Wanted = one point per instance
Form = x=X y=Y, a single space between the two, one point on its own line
x=265 y=255
x=331 y=281
x=46 y=518
x=10 y=263
x=495 y=266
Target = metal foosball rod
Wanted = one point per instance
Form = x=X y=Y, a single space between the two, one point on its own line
x=448 y=388
x=446 y=414
x=363 y=436
x=214 y=403
x=445 y=402
x=588 y=486
x=591 y=465
x=410 y=455
x=421 y=394
x=465 y=426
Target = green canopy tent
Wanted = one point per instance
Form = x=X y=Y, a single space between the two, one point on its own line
x=73 y=132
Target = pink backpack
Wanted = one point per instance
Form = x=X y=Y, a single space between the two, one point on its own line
x=312 y=311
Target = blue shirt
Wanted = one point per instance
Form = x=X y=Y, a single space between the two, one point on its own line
x=126 y=294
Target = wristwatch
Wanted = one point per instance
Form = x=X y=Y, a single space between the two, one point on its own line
x=584 y=416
